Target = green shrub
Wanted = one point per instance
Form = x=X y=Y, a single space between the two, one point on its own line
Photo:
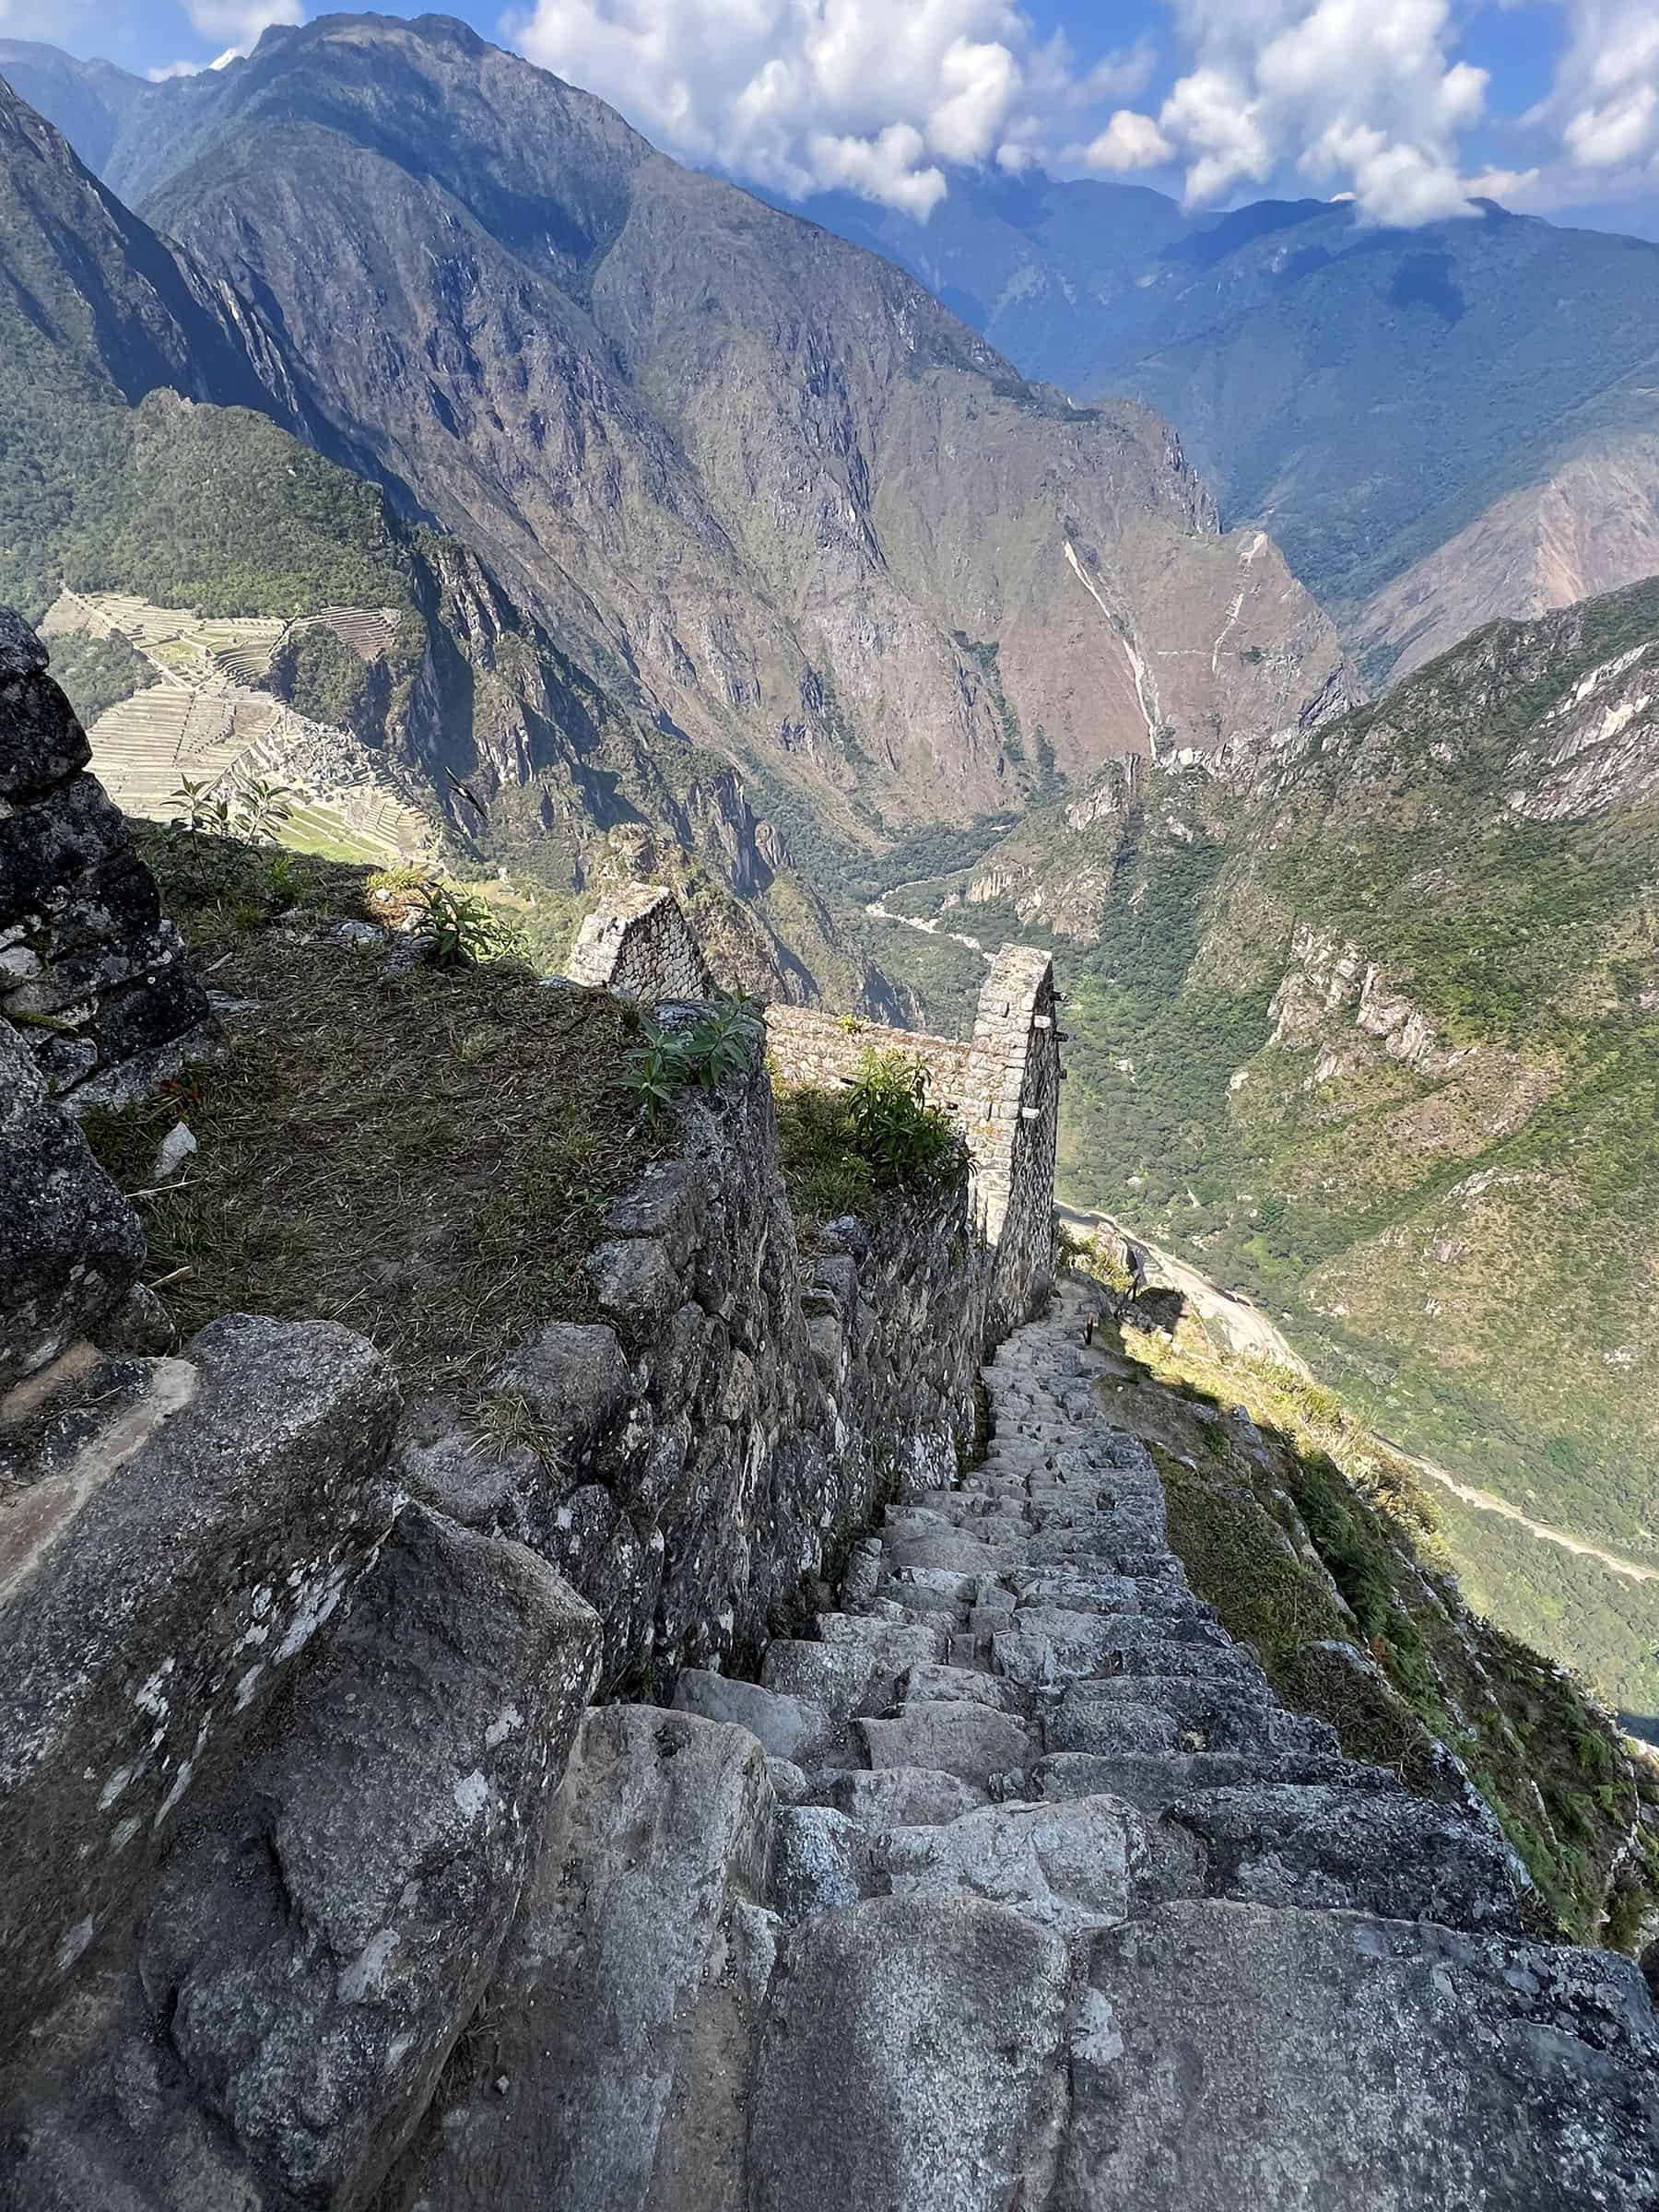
x=908 y=1144
x=701 y=1057
x=458 y=930
x=876 y=1136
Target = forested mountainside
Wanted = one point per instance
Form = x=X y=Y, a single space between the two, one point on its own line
x=823 y=525
x=1438 y=426
x=122 y=470
x=1367 y=1020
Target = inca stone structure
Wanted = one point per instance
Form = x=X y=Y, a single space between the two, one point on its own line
x=749 y=1804
x=637 y=945
x=1013 y=1885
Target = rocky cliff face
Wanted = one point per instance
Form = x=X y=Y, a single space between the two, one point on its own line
x=1440 y=425
x=471 y=710
x=705 y=439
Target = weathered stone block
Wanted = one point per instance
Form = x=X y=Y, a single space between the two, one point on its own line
x=322 y=1939
x=908 y=2060
x=617 y=2065
x=1234 y=2054
x=175 y=1533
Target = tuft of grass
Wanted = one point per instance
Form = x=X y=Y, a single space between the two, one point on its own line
x=426 y=1154
x=505 y=1420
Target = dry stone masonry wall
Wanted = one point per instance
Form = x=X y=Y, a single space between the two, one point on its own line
x=1002 y=1089
x=637 y=945
x=725 y=1424
x=91 y=975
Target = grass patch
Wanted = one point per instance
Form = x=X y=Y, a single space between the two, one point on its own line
x=425 y=1154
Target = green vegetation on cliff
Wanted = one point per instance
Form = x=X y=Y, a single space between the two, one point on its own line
x=1321 y=1550
x=1369 y=1024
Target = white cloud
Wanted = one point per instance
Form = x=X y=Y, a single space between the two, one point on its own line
x=240 y=23
x=49 y=20
x=166 y=73
x=1369 y=100
x=869 y=95
x=1597 y=132
x=1129 y=141
x=1361 y=94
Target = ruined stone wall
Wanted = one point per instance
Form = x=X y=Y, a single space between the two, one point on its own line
x=1002 y=1087
x=810 y=1047
x=726 y=1421
x=637 y=945
x=91 y=976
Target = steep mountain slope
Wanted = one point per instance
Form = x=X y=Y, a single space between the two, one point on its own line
x=122 y=469
x=94 y=104
x=1369 y=1020
x=1438 y=426
x=703 y=439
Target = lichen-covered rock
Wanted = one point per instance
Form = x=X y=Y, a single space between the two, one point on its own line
x=320 y=1940
x=175 y=1533
x=1231 y=2055
x=905 y=2062
x=70 y=1244
x=618 y=2065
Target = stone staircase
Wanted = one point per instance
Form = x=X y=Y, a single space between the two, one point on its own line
x=1015 y=1886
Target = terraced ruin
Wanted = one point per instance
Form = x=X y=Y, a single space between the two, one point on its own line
x=206 y=721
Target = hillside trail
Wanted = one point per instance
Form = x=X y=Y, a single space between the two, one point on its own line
x=1247 y=1332
x=1028 y=1822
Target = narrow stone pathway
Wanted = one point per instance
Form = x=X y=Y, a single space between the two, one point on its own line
x=1038 y=1897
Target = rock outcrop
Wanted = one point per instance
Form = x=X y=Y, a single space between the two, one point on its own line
x=91 y=975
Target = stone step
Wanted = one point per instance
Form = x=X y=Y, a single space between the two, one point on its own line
x=1070 y=1866
x=897 y=1644
x=1033 y=1653
x=1336 y=1847
x=957 y=1737
x=1154 y=1779
x=1333 y=2058
x=907 y=2059
x=836 y=1677
x=788 y=1727
x=895 y=1797
x=940 y=1685
x=1211 y=1716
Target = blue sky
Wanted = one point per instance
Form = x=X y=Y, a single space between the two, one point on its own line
x=1407 y=105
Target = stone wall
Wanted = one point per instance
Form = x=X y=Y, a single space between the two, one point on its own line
x=637 y=945
x=1003 y=1089
x=91 y=976
x=724 y=1425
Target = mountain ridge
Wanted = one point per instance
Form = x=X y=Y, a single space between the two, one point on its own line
x=1373 y=397
x=692 y=431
